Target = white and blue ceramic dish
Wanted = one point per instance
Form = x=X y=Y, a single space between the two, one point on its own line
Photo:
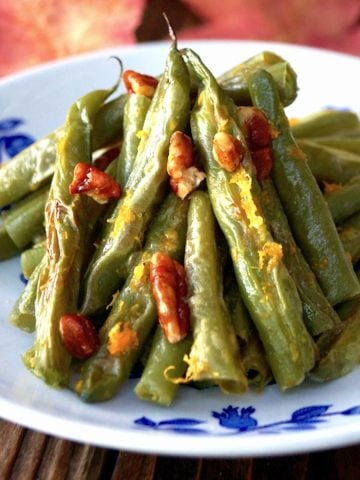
x=201 y=423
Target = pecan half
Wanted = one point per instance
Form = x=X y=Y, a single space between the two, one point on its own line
x=184 y=176
x=228 y=151
x=263 y=161
x=89 y=180
x=169 y=287
x=79 y=335
x=259 y=136
x=139 y=83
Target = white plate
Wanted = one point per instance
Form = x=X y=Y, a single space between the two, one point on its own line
x=201 y=423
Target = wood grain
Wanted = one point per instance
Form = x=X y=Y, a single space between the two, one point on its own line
x=29 y=455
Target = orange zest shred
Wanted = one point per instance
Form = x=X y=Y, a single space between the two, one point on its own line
x=270 y=255
x=121 y=339
x=331 y=187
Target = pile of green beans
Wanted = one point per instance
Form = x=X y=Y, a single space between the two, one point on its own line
x=271 y=263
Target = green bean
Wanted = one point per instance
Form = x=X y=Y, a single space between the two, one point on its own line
x=303 y=202
x=348 y=144
x=108 y=123
x=123 y=234
x=214 y=354
x=30 y=169
x=66 y=228
x=25 y=219
x=235 y=81
x=349 y=232
x=135 y=111
x=31 y=257
x=339 y=350
x=8 y=249
x=345 y=201
x=330 y=164
x=255 y=363
x=325 y=123
x=319 y=315
x=22 y=314
x=267 y=289
x=252 y=352
x=240 y=317
x=104 y=373
x=34 y=166
x=165 y=361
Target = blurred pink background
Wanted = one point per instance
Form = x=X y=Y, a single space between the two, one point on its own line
x=36 y=31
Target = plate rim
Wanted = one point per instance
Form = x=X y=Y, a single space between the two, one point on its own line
x=348 y=436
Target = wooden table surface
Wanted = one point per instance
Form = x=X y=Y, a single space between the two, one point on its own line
x=29 y=455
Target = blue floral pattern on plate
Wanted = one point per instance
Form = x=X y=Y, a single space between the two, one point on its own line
x=242 y=420
x=11 y=143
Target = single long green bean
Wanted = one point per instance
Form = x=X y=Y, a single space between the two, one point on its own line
x=30 y=169
x=125 y=229
x=215 y=354
x=135 y=111
x=31 y=258
x=348 y=144
x=240 y=317
x=339 y=350
x=345 y=201
x=66 y=221
x=349 y=232
x=134 y=306
x=266 y=287
x=319 y=316
x=330 y=164
x=165 y=361
x=255 y=363
x=8 y=249
x=25 y=219
x=303 y=202
x=325 y=123
x=22 y=314
x=235 y=80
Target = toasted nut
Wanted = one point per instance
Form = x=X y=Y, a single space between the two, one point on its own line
x=228 y=151
x=180 y=154
x=91 y=181
x=139 y=83
x=263 y=161
x=256 y=127
x=184 y=176
x=188 y=182
x=259 y=136
x=169 y=287
x=106 y=157
x=79 y=335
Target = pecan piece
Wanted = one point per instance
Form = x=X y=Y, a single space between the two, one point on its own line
x=259 y=136
x=79 y=335
x=184 y=176
x=263 y=162
x=103 y=160
x=228 y=151
x=169 y=287
x=139 y=83
x=95 y=183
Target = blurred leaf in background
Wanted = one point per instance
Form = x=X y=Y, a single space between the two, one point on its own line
x=35 y=31
x=332 y=24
